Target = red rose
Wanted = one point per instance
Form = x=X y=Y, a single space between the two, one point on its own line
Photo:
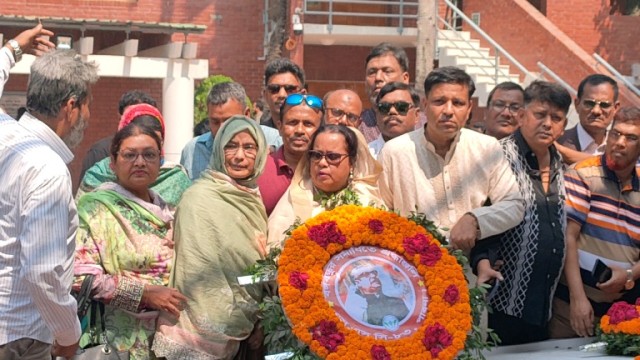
x=376 y=226
x=326 y=333
x=379 y=352
x=451 y=294
x=298 y=280
x=622 y=311
x=436 y=338
x=431 y=255
x=418 y=244
x=326 y=233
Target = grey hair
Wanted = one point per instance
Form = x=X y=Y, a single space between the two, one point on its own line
x=56 y=77
x=221 y=93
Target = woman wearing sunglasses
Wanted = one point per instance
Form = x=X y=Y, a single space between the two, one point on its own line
x=125 y=240
x=221 y=227
x=337 y=169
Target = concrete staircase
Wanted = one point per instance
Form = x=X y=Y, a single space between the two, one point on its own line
x=457 y=48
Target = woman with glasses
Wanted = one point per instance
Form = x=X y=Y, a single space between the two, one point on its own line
x=221 y=227
x=125 y=240
x=337 y=169
x=172 y=180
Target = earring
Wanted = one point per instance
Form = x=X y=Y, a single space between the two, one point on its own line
x=350 y=176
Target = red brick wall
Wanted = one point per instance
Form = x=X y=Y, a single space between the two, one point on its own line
x=104 y=110
x=594 y=25
x=232 y=43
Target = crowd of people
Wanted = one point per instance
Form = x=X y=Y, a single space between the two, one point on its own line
x=534 y=205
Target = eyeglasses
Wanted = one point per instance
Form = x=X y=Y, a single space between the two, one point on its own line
x=311 y=100
x=331 y=157
x=130 y=156
x=590 y=104
x=337 y=113
x=250 y=150
x=615 y=135
x=499 y=106
x=289 y=89
x=402 y=107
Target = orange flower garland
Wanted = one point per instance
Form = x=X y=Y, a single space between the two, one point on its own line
x=619 y=322
x=442 y=333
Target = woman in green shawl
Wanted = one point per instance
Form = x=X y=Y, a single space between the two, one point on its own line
x=221 y=227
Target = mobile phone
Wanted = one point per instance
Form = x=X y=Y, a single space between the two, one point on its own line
x=494 y=290
x=601 y=272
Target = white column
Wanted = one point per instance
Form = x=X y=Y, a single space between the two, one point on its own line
x=177 y=109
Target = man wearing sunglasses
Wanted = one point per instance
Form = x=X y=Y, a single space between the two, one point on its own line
x=596 y=104
x=342 y=107
x=300 y=117
x=449 y=172
x=282 y=77
x=385 y=63
x=397 y=109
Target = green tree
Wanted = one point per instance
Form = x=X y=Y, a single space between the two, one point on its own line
x=201 y=93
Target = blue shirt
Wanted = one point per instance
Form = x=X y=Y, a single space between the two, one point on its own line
x=197 y=153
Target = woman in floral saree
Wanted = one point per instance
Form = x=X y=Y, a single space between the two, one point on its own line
x=221 y=226
x=125 y=240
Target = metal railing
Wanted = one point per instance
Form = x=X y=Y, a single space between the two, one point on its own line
x=558 y=79
x=499 y=50
x=407 y=10
x=616 y=73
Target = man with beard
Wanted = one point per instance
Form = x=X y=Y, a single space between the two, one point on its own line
x=39 y=218
x=448 y=172
x=300 y=117
x=397 y=109
x=603 y=207
x=505 y=102
x=385 y=63
x=282 y=77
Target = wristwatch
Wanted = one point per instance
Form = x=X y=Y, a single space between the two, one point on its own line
x=630 y=283
x=17 y=52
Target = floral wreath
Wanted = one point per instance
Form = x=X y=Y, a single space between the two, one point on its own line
x=620 y=329
x=442 y=332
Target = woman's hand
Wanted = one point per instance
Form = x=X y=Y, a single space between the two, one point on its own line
x=163 y=298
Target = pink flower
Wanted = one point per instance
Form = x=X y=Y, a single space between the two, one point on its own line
x=451 y=294
x=326 y=233
x=418 y=244
x=638 y=301
x=379 y=352
x=436 y=338
x=431 y=256
x=326 y=333
x=622 y=311
x=376 y=226
x=298 y=280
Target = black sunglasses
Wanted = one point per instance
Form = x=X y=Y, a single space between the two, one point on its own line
x=331 y=157
x=402 y=107
x=289 y=89
x=592 y=103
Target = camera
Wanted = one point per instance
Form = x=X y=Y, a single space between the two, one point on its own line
x=298 y=28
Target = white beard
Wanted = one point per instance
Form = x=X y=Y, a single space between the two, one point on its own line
x=74 y=138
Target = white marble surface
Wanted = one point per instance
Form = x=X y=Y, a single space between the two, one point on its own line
x=550 y=350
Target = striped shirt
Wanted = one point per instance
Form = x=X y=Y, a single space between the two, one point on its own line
x=609 y=217
x=37 y=234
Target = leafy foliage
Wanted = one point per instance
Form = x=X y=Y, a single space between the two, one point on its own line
x=619 y=344
x=476 y=341
x=202 y=91
x=330 y=202
x=430 y=226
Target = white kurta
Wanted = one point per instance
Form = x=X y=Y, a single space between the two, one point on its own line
x=474 y=170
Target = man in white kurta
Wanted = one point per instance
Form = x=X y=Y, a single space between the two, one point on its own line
x=459 y=178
